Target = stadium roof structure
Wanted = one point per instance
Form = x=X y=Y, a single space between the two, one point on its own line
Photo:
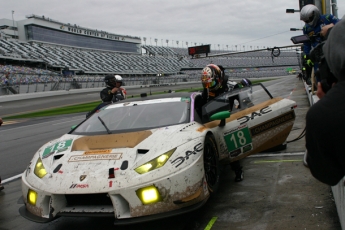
x=46 y=30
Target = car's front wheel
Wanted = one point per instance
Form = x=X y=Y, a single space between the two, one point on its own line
x=211 y=164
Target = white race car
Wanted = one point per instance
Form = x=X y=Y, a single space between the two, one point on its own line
x=151 y=157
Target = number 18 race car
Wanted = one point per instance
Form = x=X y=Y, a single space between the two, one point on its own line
x=151 y=157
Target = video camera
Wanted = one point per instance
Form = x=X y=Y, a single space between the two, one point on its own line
x=316 y=56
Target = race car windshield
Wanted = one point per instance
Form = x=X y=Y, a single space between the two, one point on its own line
x=129 y=117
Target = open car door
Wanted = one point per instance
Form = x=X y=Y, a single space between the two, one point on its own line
x=248 y=120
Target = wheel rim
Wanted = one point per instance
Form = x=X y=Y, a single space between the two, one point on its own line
x=210 y=165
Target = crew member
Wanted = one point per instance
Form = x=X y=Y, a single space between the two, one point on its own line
x=314 y=23
x=113 y=91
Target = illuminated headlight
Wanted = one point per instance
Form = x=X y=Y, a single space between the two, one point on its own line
x=40 y=171
x=155 y=163
x=32 y=197
x=149 y=195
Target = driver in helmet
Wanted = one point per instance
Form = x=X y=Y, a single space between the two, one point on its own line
x=215 y=83
x=113 y=91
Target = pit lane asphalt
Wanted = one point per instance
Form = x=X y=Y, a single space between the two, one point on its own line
x=278 y=191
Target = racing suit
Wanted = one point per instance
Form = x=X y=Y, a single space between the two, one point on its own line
x=227 y=86
x=314 y=35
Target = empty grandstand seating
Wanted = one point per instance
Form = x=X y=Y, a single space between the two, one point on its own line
x=154 y=60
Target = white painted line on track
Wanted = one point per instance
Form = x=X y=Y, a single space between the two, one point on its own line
x=33 y=125
x=12 y=178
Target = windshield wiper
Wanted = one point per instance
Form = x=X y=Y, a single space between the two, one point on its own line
x=100 y=119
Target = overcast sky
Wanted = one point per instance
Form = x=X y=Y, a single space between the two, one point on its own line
x=224 y=22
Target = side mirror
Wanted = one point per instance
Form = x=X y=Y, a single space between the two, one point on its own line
x=220 y=116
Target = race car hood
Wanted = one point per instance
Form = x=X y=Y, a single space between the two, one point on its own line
x=76 y=164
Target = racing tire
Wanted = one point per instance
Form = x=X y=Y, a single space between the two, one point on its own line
x=211 y=164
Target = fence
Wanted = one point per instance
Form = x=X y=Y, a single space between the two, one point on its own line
x=20 y=83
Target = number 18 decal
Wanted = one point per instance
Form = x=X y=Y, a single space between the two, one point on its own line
x=237 y=138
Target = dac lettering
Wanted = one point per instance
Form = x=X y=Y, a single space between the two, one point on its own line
x=245 y=119
x=178 y=161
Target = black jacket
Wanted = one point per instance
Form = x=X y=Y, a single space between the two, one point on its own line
x=108 y=96
x=325 y=136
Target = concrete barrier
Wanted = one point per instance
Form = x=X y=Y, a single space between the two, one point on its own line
x=24 y=96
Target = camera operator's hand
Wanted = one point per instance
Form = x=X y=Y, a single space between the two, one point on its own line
x=320 y=93
x=324 y=30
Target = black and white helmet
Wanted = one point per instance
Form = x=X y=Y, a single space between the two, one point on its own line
x=310 y=14
x=110 y=80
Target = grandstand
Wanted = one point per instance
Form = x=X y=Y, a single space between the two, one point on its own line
x=49 y=48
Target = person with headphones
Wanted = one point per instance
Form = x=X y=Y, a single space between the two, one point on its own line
x=113 y=91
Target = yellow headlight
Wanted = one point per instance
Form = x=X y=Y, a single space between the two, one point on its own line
x=32 y=197
x=40 y=171
x=155 y=163
x=149 y=195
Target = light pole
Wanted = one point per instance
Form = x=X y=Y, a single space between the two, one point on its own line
x=167 y=41
x=156 y=41
x=14 y=31
x=144 y=38
x=177 y=43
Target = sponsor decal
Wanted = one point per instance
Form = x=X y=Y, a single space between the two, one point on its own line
x=98 y=151
x=235 y=153
x=272 y=123
x=245 y=119
x=247 y=148
x=178 y=161
x=113 y=156
x=185 y=99
x=57 y=147
x=79 y=186
x=82 y=177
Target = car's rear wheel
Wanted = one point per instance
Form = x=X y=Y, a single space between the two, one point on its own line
x=211 y=164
